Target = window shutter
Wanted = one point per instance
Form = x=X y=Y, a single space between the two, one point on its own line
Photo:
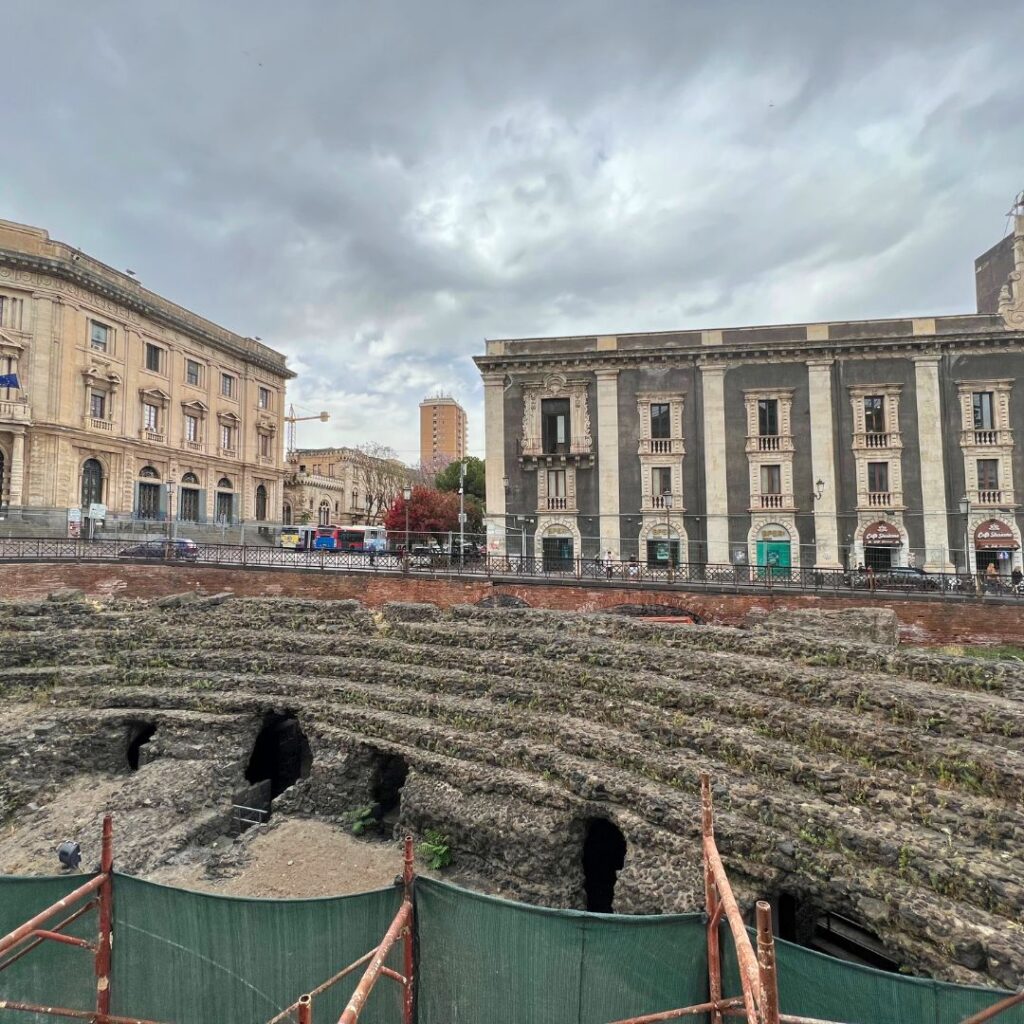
x=201 y=515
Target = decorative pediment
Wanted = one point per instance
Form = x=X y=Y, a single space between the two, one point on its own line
x=10 y=346
x=102 y=376
x=195 y=407
x=155 y=396
x=229 y=418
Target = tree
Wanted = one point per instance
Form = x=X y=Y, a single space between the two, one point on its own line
x=431 y=512
x=381 y=476
x=476 y=484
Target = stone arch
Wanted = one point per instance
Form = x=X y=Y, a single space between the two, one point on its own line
x=557 y=526
x=603 y=857
x=92 y=482
x=783 y=523
x=653 y=530
x=261 y=502
x=862 y=528
x=977 y=519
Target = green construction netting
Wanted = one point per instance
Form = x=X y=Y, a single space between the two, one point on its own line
x=197 y=958
x=814 y=985
x=485 y=961
x=52 y=973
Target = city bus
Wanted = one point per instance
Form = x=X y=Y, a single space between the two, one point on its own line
x=351 y=538
x=298 y=538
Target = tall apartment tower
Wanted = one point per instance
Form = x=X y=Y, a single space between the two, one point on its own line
x=442 y=431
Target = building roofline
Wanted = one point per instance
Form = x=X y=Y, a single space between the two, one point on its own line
x=57 y=259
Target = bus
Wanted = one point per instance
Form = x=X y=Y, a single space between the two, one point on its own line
x=351 y=538
x=298 y=538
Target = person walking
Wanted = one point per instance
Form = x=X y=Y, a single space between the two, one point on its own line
x=608 y=566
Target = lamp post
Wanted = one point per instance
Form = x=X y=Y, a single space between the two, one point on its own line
x=407 y=497
x=172 y=522
x=462 y=511
x=667 y=499
x=965 y=511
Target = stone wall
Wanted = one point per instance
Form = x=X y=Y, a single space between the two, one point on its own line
x=921 y=620
x=876 y=782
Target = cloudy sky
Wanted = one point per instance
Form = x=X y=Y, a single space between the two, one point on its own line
x=375 y=188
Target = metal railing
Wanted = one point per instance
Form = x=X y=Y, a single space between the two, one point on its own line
x=588 y=571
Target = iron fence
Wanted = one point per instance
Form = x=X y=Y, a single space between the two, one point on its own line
x=592 y=572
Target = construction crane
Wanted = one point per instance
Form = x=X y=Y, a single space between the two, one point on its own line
x=291 y=419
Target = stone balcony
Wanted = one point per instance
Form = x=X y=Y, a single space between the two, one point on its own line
x=772 y=503
x=986 y=438
x=667 y=503
x=577 y=451
x=874 y=440
x=94 y=423
x=153 y=436
x=195 y=446
x=769 y=443
x=661 y=446
x=15 y=411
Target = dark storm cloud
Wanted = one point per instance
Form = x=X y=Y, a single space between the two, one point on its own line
x=375 y=188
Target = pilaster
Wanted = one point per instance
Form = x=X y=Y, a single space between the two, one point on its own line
x=933 y=465
x=495 y=472
x=716 y=492
x=823 y=462
x=17 y=479
x=608 y=459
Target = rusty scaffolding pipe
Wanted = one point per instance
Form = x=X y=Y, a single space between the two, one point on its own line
x=712 y=907
x=56 y=928
x=106 y=914
x=767 y=975
x=996 y=1008
x=61 y=1011
x=305 y=1005
x=716 y=1006
x=369 y=979
x=408 y=949
x=24 y=931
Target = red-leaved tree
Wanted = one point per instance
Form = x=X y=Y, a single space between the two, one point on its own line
x=430 y=512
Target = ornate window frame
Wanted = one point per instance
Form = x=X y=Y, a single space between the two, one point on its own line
x=556 y=385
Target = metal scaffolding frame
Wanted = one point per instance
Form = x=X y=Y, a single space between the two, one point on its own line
x=758 y=1002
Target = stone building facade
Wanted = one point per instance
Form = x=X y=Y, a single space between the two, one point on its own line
x=127 y=400
x=884 y=442
x=340 y=486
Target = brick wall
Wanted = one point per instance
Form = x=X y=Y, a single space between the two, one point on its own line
x=922 y=621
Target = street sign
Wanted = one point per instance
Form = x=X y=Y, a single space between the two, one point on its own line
x=97 y=511
x=462 y=517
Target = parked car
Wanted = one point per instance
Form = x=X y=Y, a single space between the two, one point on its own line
x=425 y=556
x=182 y=547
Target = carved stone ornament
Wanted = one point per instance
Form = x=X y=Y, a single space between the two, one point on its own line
x=1011 y=297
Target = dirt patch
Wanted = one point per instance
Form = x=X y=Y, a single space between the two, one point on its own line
x=294 y=858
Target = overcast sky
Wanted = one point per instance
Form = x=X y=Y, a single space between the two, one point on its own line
x=376 y=188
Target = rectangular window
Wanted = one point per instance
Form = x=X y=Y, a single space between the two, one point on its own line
x=556 y=483
x=153 y=353
x=264 y=398
x=771 y=479
x=988 y=474
x=191 y=428
x=768 y=417
x=265 y=445
x=149 y=416
x=878 y=477
x=227 y=385
x=661 y=480
x=555 y=424
x=984 y=410
x=99 y=335
x=97 y=405
x=661 y=419
x=192 y=372
x=874 y=414
x=188 y=505
x=227 y=437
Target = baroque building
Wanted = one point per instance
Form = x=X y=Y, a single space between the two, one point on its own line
x=126 y=400
x=341 y=486
x=878 y=442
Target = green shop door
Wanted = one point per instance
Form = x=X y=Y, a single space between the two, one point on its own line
x=773 y=557
x=557 y=552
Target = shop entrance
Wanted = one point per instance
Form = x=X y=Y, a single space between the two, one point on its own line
x=557 y=554
x=773 y=551
x=878 y=559
x=994 y=544
x=882 y=545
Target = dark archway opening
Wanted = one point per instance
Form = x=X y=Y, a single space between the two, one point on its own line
x=786 y=910
x=389 y=777
x=280 y=755
x=139 y=734
x=604 y=853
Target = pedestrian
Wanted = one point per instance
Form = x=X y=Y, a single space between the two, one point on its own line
x=634 y=567
x=608 y=563
x=1016 y=577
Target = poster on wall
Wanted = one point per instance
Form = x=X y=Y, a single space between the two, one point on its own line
x=74 y=523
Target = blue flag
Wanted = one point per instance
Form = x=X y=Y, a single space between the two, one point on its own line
x=9 y=380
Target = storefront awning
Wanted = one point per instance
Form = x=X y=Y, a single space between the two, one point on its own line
x=882 y=535
x=994 y=535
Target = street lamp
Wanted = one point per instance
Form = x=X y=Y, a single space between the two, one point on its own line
x=407 y=496
x=819 y=488
x=172 y=521
x=667 y=499
x=965 y=511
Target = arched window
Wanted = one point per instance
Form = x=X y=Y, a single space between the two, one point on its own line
x=325 y=513
x=92 y=483
x=188 y=499
x=148 y=494
x=261 y=502
x=190 y=478
x=224 y=484
x=149 y=473
x=225 y=507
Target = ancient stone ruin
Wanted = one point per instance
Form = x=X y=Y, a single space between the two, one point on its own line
x=872 y=793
